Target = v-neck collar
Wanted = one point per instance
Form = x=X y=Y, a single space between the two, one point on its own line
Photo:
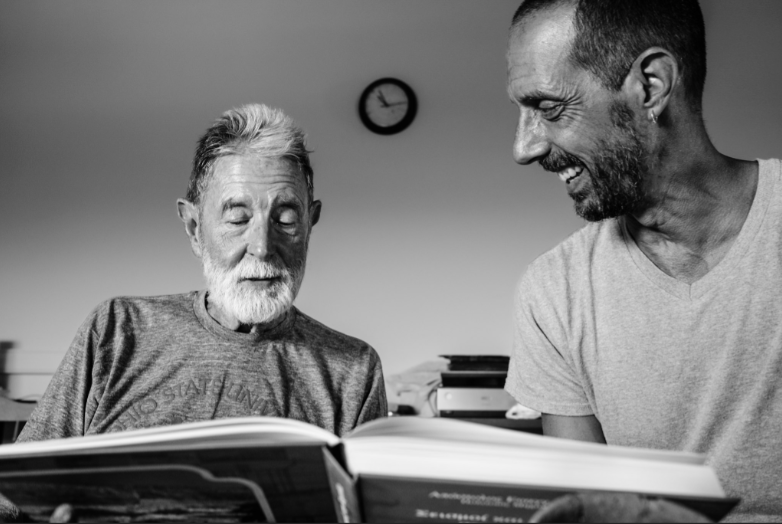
x=723 y=269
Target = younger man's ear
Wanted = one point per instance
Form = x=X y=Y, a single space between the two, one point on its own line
x=653 y=78
x=315 y=208
x=188 y=214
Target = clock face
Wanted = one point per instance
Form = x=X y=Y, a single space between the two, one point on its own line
x=387 y=106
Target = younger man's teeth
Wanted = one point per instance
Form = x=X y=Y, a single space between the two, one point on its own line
x=570 y=173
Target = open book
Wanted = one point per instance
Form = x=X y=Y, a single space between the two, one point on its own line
x=402 y=469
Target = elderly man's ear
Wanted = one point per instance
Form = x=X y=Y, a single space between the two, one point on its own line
x=188 y=214
x=315 y=208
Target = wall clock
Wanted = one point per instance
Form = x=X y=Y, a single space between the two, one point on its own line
x=387 y=106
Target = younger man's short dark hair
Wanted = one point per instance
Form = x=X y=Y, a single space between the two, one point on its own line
x=610 y=34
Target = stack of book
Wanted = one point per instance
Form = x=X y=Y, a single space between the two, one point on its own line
x=473 y=387
x=401 y=469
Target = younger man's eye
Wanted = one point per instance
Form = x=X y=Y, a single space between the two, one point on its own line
x=550 y=109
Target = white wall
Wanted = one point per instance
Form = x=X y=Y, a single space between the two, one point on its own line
x=423 y=234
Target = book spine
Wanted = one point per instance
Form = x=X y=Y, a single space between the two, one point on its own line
x=343 y=487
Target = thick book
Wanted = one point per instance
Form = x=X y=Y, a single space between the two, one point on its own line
x=402 y=469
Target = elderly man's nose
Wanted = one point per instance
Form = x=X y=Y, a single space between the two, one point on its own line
x=531 y=142
x=259 y=242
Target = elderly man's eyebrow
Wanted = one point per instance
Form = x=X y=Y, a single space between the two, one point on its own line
x=287 y=200
x=232 y=203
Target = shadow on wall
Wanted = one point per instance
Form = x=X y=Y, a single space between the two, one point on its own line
x=5 y=346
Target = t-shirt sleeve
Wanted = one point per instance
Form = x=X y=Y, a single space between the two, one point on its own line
x=64 y=410
x=539 y=375
x=375 y=402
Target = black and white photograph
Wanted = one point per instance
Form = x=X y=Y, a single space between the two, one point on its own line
x=496 y=261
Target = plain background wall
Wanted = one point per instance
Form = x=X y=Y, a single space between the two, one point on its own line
x=424 y=234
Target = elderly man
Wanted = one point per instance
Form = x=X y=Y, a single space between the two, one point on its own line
x=239 y=348
x=657 y=325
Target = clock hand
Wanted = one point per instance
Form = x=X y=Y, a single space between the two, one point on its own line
x=382 y=98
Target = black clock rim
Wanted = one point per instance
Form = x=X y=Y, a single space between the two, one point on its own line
x=412 y=107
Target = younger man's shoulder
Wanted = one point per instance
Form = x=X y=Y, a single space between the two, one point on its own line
x=576 y=248
x=571 y=260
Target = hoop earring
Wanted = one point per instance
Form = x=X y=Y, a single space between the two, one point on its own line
x=652 y=117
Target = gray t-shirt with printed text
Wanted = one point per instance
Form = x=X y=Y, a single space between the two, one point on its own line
x=139 y=362
x=600 y=330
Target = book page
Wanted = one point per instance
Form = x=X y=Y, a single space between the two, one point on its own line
x=255 y=431
x=437 y=430
x=450 y=460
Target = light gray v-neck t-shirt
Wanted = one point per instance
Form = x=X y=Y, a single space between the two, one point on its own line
x=600 y=330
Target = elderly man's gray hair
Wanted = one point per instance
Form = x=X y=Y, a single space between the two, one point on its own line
x=253 y=128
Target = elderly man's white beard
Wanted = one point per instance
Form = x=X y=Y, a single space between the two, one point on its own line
x=241 y=300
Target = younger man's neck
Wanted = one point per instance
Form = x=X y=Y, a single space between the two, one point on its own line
x=699 y=201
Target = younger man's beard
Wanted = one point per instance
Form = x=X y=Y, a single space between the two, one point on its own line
x=617 y=176
x=241 y=300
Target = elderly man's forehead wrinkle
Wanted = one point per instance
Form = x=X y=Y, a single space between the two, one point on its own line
x=255 y=183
